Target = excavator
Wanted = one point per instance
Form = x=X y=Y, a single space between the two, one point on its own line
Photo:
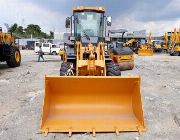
x=145 y=49
x=132 y=44
x=8 y=50
x=90 y=95
x=165 y=44
x=174 y=48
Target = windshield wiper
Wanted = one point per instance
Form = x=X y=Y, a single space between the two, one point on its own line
x=85 y=34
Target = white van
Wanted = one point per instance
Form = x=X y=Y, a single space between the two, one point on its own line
x=47 y=48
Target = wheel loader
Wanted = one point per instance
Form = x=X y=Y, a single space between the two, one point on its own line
x=8 y=51
x=90 y=95
x=145 y=49
x=119 y=52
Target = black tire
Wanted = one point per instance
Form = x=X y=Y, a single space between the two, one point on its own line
x=171 y=54
x=113 y=69
x=109 y=64
x=176 y=53
x=62 y=73
x=54 y=53
x=64 y=68
x=110 y=74
x=66 y=64
x=14 y=58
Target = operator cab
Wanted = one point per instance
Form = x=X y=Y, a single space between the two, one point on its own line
x=87 y=26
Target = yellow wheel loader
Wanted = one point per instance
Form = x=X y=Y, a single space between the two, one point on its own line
x=8 y=51
x=145 y=49
x=90 y=95
x=119 y=52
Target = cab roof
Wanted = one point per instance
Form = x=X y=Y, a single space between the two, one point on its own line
x=86 y=8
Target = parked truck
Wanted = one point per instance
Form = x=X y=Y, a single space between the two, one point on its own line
x=47 y=48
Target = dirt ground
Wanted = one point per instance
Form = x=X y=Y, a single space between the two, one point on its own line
x=22 y=89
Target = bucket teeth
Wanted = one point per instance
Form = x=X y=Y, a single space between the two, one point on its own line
x=46 y=132
x=117 y=131
x=70 y=132
x=94 y=132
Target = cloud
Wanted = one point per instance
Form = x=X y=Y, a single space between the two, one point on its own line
x=25 y=13
x=156 y=16
x=156 y=27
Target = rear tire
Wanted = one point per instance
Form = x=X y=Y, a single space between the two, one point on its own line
x=14 y=58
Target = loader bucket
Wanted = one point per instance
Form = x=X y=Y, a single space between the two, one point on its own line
x=145 y=52
x=92 y=104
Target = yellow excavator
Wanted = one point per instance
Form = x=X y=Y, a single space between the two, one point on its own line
x=8 y=51
x=174 y=48
x=165 y=44
x=90 y=95
x=145 y=49
x=130 y=42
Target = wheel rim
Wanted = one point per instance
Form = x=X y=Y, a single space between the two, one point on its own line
x=17 y=56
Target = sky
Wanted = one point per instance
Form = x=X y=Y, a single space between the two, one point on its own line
x=157 y=16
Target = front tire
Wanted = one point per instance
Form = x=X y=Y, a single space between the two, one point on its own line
x=113 y=69
x=14 y=58
x=66 y=69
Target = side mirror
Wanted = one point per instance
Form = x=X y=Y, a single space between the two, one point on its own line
x=68 y=22
x=109 y=20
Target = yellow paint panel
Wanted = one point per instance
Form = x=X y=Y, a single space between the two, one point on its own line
x=145 y=52
x=83 y=8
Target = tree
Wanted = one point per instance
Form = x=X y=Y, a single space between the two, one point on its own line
x=51 y=35
x=31 y=29
x=35 y=30
x=20 y=30
x=13 y=28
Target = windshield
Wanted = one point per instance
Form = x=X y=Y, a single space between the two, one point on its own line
x=88 y=24
x=157 y=42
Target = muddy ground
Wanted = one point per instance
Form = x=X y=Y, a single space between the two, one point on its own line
x=22 y=89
